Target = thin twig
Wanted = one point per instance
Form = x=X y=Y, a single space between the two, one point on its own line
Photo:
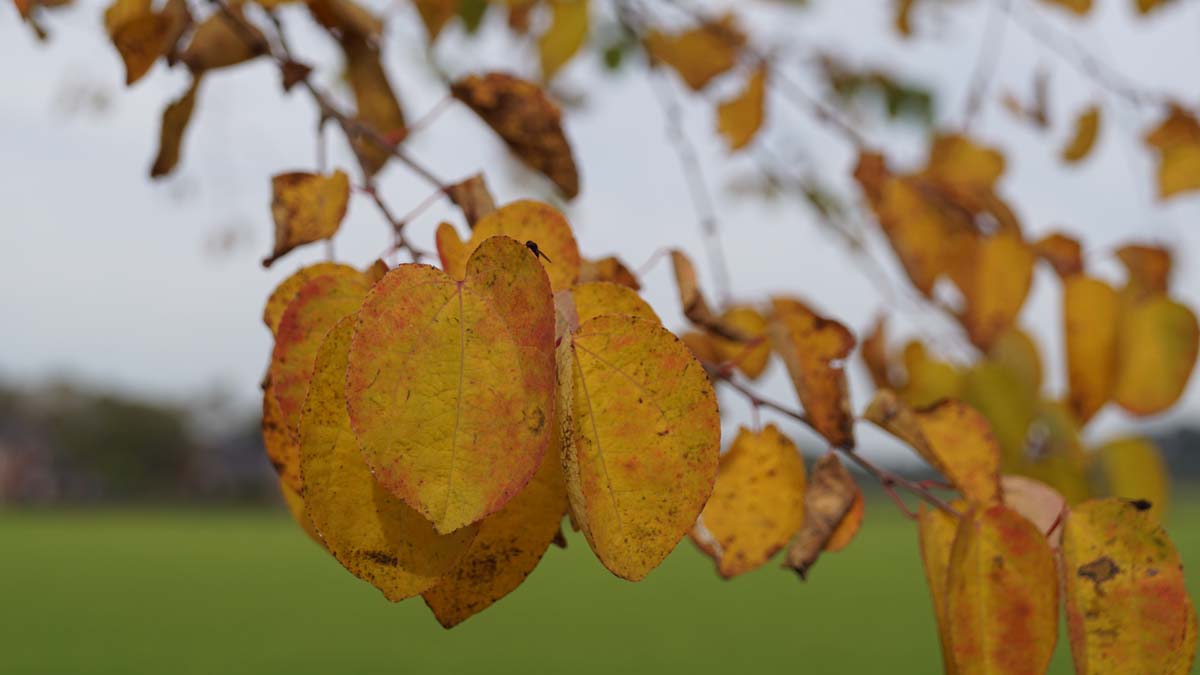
x=990 y=48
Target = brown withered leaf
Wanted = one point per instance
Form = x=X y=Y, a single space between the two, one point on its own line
x=1062 y=252
x=815 y=350
x=608 y=269
x=844 y=534
x=220 y=41
x=701 y=53
x=348 y=17
x=874 y=353
x=293 y=73
x=174 y=123
x=306 y=207
x=829 y=498
x=142 y=36
x=435 y=14
x=472 y=197
x=526 y=120
x=1177 y=140
x=739 y=118
x=375 y=102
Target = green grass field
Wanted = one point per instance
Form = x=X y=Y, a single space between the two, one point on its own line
x=247 y=592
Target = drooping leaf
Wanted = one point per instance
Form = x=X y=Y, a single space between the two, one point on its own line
x=848 y=528
x=815 y=350
x=701 y=53
x=1087 y=128
x=508 y=547
x=1001 y=595
x=472 y=197
x=1134 y=469
x=641 y=436
x=609 y=268
x=220 y=41
x=935 y=536
x=1091 y=311
x=526 y=221
x=1062 y=252
x=174 y=123
x=307 y=207
x=996 y=285
x=928 y=380
x=739 y=118
x=695 y=305
x=597 y=298
x=757 y=504
x=141 y=36
x=749 y=357
x=953 y=437
x=450 y=385
x=1177 y=140
x=1128 y=610
x=1156 y=352
x=375 y=102
x=526 y=120
x=564 y=36
x=874 y=351
x=829 y=498
x=373 y=534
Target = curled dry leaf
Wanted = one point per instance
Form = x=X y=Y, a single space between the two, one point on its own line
x=374 y=535
x=1128 y=610
x=1091 y=314
x=830 y=496
x=564 y=36
x=306 y=207
x=472 y=197
x=1177 y=140
x=525 y=221
x=641 y=435
x=450 y=385
x=175 y=121
x=701 y=53
x=739 y=118
x=526 y=120
x=375 y=102
x=510 y=544
x=815 y=350
x=220 y=41
x=1062 y=252
x=999 y=276
x=1134 y=469
x=952 y=436
x=1156 y=351
x=1001 y=595
x=602 y=297
x=757 y=503
x=848 y=528
x=608 y=269
x=1087 y=128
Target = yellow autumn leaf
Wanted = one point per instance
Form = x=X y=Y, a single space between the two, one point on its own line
x=609 y=268
x=142 y=35
x=955 y=160
x=927 y=379
x=1128 y=610
x=1133 y=468
x=287 y=289
x=1091 y=312
x=952 y=436
x=739 y=118
x=1148 y=270
x=121 y=12
x=564 y=36
x=641 y=436
x=829 y=500
x=175 y=121
x=602 y=297
x=375 y=102
x=757 y=504
x=1087 y=128
x=1156 y=351
x=1001 y=595
x=450 y=385
x=875 y=355
x=815 y=350
x=528 y=222
x=1062 y=252
x=306 y=207
x=373 y=534
x=1015 y=351
x=701 y=346
x=1006 y=400
x=220 y=42
x=1177 y=140
x=998 y=281
x=927 y=237
x=698 y=54
x=508 y=547
x=935 y=537
x=695 y=306
x=525 y=118
x=282 y=444
x=749 y=357
x=295 y=506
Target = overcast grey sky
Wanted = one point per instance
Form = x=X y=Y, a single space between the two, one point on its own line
x=110 y=277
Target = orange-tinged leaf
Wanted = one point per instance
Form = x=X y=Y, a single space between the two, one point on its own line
x=121 y=12
x=1091 y=310
x=701 y=53
x=472 y=197
x=1128 y=610
x=375 y=102
x=609 y=268
x=1062 y=252
x=1156 y=352
x=1134 y=469
x=564 y=36
x=815 y=349
x=526 y=221
x=998 y=281
x=175 y=121
x=287 y=289
x=140 y=42
x=874 y=352
x=828 y=500
x=1038 y=503
x=851 y=522
x=1001 y=595
x=526 y=120
x=1087 y=128
x=375 y=535
x=952 y=436
x=307 y=207
x=935 y=535
x=749 y=357
x=318 y=305
x=739 y=118
x=450 y=386
x=1077 y=7
x=757 y=504
x=602 y=297
x=435 y=14
x=295 y=506
x=220 y=42
x=927 y=379
x=1177 y=140
x=508 y=547
x=281 y=443
x=641 y=436
x=1148 y=268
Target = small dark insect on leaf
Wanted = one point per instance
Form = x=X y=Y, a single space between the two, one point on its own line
x=1141 y=504
x=537 y=253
